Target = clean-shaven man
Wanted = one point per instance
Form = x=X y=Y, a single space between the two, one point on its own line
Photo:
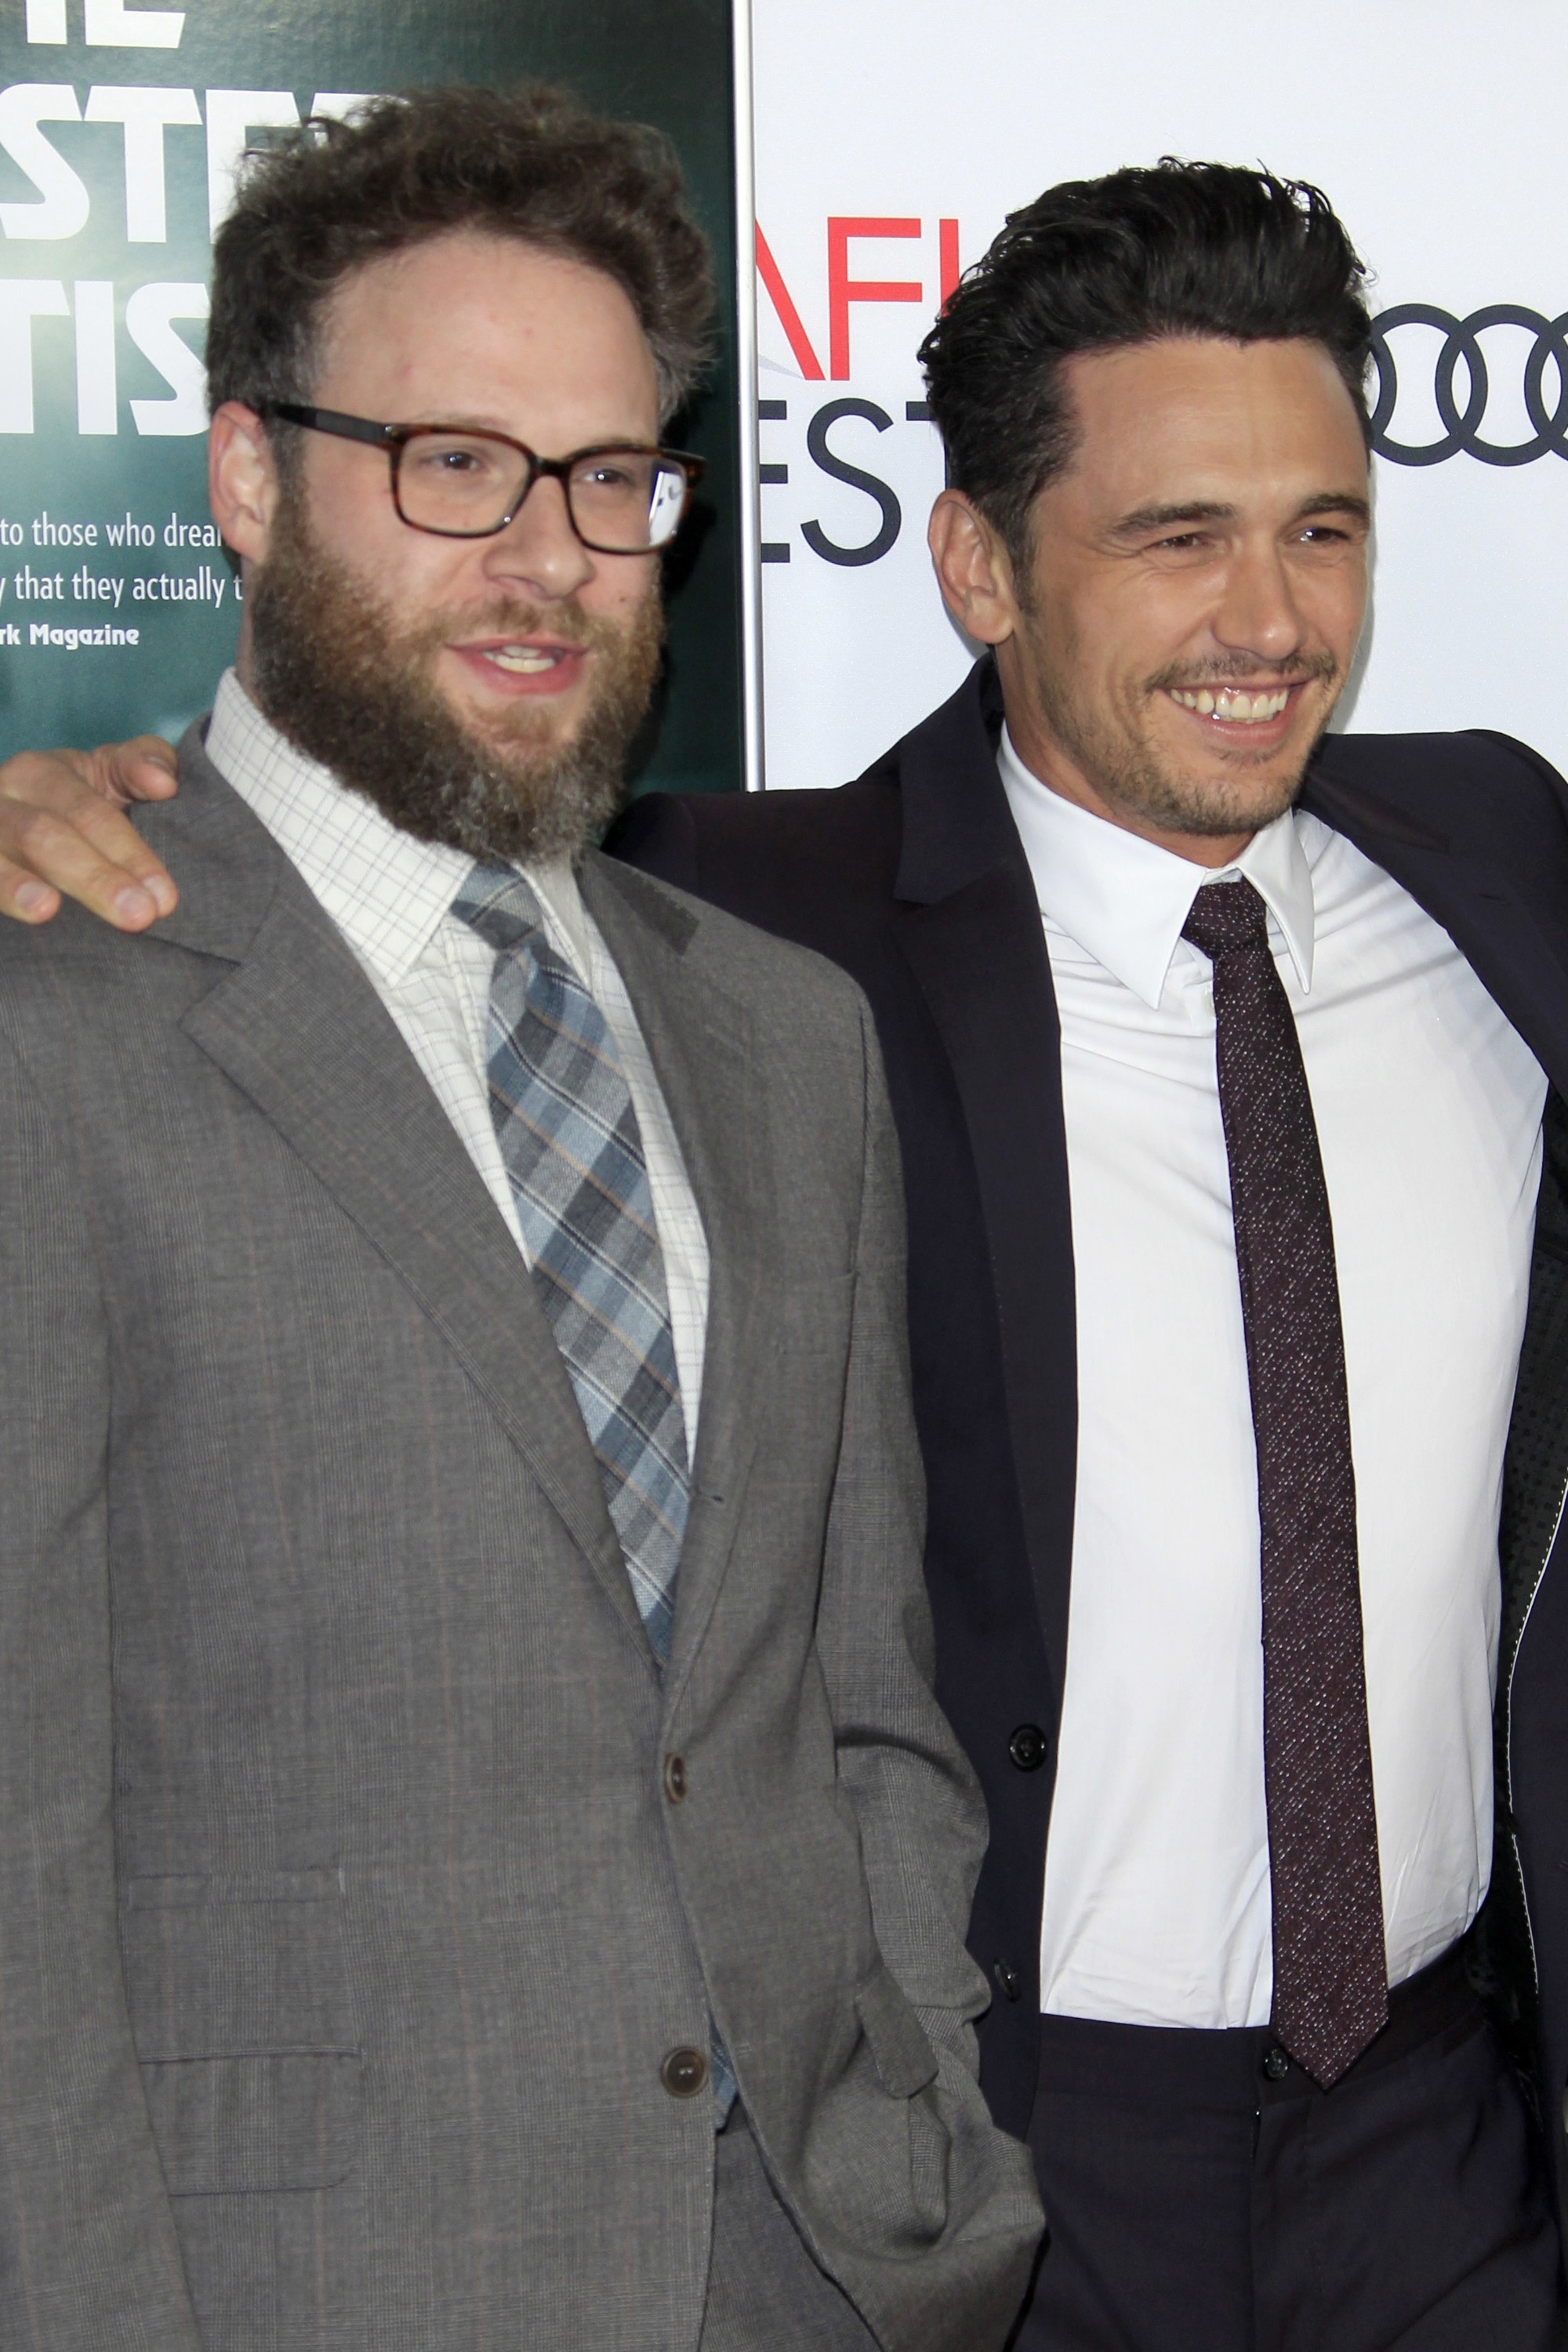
x=1220 y=1051
x=480 y=1861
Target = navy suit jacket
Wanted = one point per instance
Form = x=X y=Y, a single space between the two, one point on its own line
x=915 y=881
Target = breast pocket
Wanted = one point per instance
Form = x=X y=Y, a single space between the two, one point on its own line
x=238 y=1994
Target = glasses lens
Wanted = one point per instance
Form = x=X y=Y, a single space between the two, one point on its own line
x=460 y=481
x=627 y=500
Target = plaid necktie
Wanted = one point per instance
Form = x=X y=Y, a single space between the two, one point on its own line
x=568 y=1133
x=1331 y=1971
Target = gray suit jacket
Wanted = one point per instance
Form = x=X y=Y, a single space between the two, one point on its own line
x=345 y=1917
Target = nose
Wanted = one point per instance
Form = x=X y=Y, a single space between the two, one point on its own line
x=1257 y=611
x=539 y=554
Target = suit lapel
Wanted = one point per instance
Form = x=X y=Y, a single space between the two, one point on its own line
x=699 y=1038
x=967 y=924
x=295 y=1025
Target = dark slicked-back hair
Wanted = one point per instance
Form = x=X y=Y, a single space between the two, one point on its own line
x=529 y=163
x=1173 y=249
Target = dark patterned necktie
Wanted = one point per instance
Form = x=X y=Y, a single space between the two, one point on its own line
x=1330 y=1969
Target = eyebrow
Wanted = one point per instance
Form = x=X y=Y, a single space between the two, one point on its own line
x=1147 y=519
x=462 y=421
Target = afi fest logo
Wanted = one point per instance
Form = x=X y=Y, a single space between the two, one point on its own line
x=1436 y=395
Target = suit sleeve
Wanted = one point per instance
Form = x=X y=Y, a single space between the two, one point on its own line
x=1538 y=764
x=658 y=835
x=918 y=1803
x=88 y=2257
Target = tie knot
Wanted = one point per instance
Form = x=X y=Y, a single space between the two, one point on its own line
x=498 y=903
x=1227 y=916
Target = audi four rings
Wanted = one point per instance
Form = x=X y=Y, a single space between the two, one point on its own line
x=1461 y=427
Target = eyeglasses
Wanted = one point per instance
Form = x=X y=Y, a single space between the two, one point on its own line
x=622 y=496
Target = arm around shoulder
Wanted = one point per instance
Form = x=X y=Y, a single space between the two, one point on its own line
x=656 y=834
x=63 y=833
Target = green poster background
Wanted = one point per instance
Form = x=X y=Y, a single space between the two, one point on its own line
x=668 y=64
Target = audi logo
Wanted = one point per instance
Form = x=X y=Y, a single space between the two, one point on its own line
x=1462 y=425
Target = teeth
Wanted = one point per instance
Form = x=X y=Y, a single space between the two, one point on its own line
x=1229 y=704
x=529 y=659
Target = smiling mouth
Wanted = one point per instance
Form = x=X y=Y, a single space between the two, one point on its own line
x=525 y=661
x=1235 y=705
x=509 y=667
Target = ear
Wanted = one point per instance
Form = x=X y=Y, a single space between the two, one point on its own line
x=242 y=480
x=973 y=570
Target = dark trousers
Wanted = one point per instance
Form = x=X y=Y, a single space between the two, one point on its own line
x=1204 y=2195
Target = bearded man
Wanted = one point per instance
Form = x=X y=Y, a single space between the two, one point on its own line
x=481 y=1859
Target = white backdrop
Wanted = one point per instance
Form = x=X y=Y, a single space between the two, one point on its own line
x=1434 y=126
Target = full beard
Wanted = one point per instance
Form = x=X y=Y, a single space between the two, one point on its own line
x=354 y=689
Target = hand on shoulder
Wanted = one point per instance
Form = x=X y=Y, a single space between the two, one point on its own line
x=63 y=833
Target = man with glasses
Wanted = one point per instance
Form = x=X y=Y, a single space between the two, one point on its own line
x=622 y=501
x=481 y=1859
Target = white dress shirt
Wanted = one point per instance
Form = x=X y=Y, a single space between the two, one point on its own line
x=1429 y=1109
x=391 y=897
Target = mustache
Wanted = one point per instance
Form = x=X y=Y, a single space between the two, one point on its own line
x=563 y=623
x=1298 y=670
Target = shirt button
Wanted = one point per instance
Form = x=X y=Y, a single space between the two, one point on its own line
x=684 y=2073
x=1027 y=1747
x=1276 y=2063
x=674 y=1778
x=1007 y=1976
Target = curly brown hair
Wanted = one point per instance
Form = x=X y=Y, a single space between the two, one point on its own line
x=529 y=163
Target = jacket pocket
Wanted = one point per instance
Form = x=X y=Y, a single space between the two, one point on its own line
x=288 y=2119
x=237 y=1990
x=914 y=2124
x=905 y=2059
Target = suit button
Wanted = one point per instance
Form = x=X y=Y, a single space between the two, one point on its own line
x=684 y=2073
x=1011 y=1982
x=674 y=1778
x=1276 y=2063
x=1027 y=1747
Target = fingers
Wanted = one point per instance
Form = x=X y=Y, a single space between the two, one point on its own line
x=58 y=836
x=142 y=770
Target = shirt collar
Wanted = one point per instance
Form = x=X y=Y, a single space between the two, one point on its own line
x=1124 y=899
x=386 y=891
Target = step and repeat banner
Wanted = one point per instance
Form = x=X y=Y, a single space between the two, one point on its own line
x=892 y=140
x=120 y=129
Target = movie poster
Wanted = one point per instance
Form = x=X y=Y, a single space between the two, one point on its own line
x=120 y=129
